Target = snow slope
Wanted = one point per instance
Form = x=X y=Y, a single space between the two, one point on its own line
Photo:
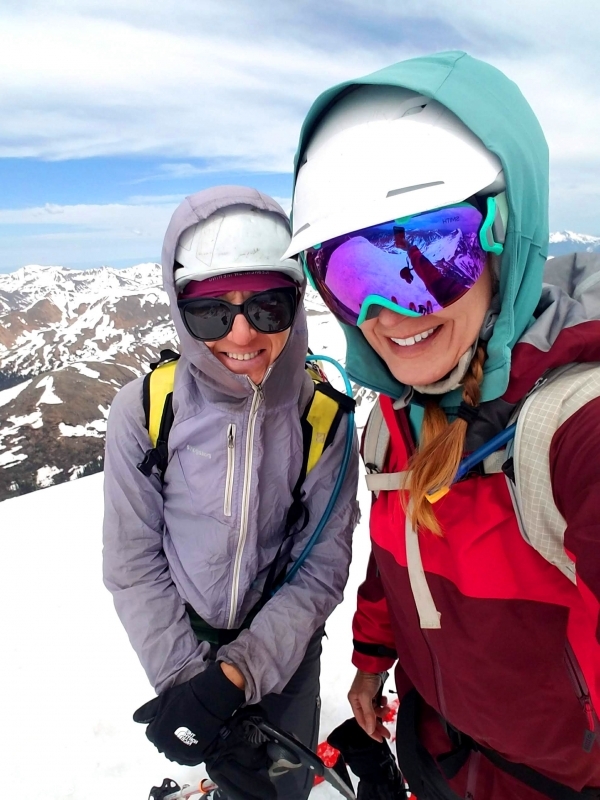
x=70 y=678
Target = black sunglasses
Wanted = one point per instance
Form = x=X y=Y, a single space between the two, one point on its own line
x=210 y=318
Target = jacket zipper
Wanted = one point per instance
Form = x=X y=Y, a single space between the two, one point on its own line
x=230 y=469
x=235 y=587
x=437 y=676
x=582 y=692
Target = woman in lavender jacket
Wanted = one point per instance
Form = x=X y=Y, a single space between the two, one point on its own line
x=186 y=557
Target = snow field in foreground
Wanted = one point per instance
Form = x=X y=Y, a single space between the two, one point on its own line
x=70 y=679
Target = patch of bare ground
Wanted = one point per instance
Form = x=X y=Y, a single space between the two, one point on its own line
x=85 y=400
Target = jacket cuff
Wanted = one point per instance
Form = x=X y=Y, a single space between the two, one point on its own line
x=379 y=657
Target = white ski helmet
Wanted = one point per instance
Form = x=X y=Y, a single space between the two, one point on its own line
x=238 y=238
x=384 y=152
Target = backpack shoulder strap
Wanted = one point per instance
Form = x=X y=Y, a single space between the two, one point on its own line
x=322 y=418
x=375 y=445
x=562 y=394
x=157 y=394
x=319 y=422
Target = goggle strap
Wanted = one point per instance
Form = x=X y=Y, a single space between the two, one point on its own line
x=493 y=230
x=309 y=277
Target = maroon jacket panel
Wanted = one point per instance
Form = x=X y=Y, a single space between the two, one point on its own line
x=577 y=344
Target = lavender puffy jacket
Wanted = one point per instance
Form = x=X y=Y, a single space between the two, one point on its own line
x=208 y=535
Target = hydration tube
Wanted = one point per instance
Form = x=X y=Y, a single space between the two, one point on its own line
x=498 y=441
x=340 y=478
x=476 y=457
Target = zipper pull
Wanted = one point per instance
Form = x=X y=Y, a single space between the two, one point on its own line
x=587 y=705
x=230 y=437
x=589 y=736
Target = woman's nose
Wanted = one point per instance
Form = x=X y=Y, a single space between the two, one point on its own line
x=242 y=332
x=389 y=318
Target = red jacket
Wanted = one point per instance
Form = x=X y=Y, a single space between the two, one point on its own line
x=516 y=663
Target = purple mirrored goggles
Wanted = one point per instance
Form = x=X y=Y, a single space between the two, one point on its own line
x=415 y=265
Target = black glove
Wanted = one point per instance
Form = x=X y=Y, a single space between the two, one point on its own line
x=370 y=761
x=238 y=761
x=186 y=719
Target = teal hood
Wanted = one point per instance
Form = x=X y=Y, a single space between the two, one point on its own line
x=493 y=107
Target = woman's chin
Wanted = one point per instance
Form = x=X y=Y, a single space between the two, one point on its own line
x=431 y=367
x=422 y=371
x=410 y=377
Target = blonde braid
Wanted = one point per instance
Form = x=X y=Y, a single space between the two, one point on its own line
x=435 y=463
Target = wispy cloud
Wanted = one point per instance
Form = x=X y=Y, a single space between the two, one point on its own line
x=111 y=216
x=170 y=172
x=232 y=80
x=84 y=235
x=224 y=86
x=154 y=199
x=79 y=86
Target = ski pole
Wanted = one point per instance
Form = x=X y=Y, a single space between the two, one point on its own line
x=307 y=757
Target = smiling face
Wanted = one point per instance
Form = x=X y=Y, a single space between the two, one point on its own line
x=245 y=350
x=422 y=350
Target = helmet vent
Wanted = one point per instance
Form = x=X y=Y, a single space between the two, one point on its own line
x=303 y=228
x=416 y=187
x=414 y=110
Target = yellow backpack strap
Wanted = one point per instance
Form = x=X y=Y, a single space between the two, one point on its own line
x=157 y=393
x=320 y=422
x=160 y=391
x=323 y=416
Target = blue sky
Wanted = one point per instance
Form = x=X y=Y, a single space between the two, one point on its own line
x=114 y=111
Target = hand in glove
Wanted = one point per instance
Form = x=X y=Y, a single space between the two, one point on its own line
x=370 y=761
x=185 y=720
x=239 y=762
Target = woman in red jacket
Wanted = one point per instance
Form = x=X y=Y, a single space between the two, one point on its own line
x=421 y=209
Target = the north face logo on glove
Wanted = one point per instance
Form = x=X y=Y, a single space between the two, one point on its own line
x=186 y=736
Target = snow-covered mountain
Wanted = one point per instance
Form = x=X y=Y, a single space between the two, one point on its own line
x=52 y=317
x=563 y=242
x=69 y=340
